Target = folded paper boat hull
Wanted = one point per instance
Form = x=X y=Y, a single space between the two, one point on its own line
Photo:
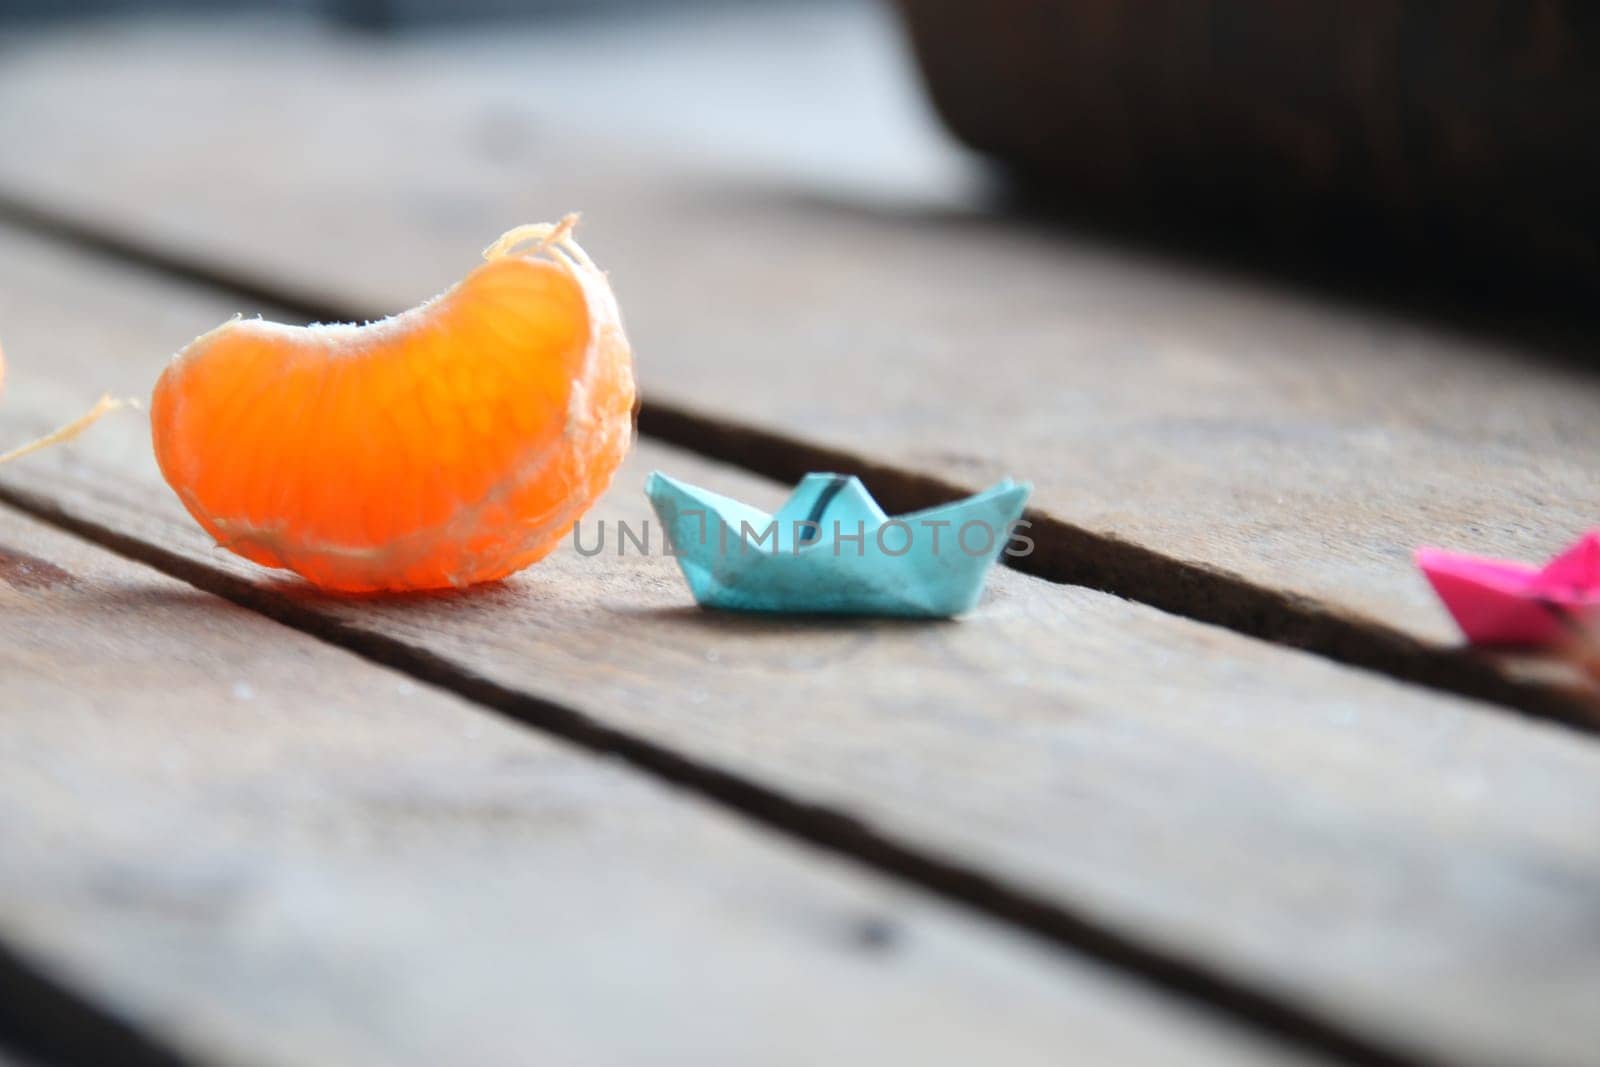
x=1494 y=603
x=880 y=567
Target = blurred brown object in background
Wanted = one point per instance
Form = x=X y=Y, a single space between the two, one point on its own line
x=1464 y=135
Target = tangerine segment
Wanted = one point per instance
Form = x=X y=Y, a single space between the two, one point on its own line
x=454 y=443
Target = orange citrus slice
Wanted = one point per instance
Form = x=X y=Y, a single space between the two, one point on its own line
x=454 y=443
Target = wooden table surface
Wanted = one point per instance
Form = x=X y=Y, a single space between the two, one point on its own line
x=1207 y=779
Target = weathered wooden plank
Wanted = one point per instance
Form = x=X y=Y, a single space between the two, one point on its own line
x=1313 y=830
x=265 y=851
x=1209 y=445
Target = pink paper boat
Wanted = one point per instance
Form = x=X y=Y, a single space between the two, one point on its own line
x=1501 y=602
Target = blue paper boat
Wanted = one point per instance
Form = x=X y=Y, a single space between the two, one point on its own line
x=831 y=550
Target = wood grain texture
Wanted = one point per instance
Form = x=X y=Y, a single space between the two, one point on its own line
x=1215 y=447
x=1326 y=834
x=265 y=851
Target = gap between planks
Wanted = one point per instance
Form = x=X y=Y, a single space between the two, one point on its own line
x=166 y=834
x=56 y=1027
x=1065 y=553
x=815 y=824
